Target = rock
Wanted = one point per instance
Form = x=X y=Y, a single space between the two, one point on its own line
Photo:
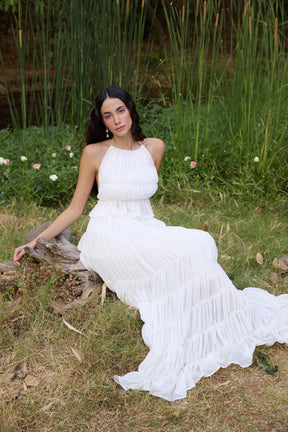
x=274 y=278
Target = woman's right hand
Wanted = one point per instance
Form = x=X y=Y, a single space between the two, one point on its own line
x=20 y=252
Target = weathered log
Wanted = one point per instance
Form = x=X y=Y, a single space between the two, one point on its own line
x=58 y=250
x=8 y=267
x=63 y=255
x=67 y=233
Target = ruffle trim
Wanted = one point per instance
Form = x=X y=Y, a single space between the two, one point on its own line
x=170 y=373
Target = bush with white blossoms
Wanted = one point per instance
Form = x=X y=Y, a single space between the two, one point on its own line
x=42 y=167
x=53 y=177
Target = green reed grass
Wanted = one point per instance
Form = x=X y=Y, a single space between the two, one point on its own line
x=231 y=71
x=73 y=50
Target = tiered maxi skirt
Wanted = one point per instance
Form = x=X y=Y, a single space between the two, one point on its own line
x=195 y=320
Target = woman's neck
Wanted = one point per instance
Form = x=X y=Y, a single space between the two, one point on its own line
x=125 y=142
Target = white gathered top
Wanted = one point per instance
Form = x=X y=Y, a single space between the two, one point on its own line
x=126 y=195
x=195 y=320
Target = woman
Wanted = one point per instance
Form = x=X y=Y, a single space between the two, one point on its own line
x=195 y=320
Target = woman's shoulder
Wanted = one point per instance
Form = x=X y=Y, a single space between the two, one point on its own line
x=96 y=149
x=94 y=153
x=156 y=148
x=154 y=144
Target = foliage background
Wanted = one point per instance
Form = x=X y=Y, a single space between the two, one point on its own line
x=213 y=87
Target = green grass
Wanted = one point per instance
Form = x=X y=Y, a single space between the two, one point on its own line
x=80 y=395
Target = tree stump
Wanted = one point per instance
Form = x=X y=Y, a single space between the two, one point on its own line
x=63 y=255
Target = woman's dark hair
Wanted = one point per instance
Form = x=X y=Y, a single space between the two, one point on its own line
x=96 y=131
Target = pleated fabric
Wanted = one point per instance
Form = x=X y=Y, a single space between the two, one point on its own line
x=195 y=320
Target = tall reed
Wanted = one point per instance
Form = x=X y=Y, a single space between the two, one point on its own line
x=187 y=64
x=231 y=70
x=73 y=49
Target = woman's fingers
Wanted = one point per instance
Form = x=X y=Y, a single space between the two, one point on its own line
x=18 y=254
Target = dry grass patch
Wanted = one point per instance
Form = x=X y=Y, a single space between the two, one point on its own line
x=53 y=379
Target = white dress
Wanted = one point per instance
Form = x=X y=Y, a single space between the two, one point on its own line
x=195 y=320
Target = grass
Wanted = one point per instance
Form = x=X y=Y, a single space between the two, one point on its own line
x=76 y=392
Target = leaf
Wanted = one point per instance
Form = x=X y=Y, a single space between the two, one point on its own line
x=72 y=328
x=77 y=354
x=103 y=293
x=271 y=371
x=31 y=381
x=258 y=210
x=6 y=378
x=279 y=263
x=223 y=384
x=259 y=258
x=262 y=362
x=205 y=226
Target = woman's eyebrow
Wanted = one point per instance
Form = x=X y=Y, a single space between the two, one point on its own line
x=117 y=109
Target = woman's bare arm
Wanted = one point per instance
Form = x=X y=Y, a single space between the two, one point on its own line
x=89 y=165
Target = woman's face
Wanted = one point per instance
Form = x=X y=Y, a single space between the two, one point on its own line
x=116 y=116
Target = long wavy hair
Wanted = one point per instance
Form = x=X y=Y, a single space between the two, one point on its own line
x=96 y=130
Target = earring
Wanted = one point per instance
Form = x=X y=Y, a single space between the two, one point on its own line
x=107 y=133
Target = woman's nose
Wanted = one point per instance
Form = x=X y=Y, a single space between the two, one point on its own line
x=116 y=119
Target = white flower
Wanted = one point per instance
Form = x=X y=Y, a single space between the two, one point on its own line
x=187 y=158
x=53 y=177
x=53 y=155
x=68 y=147
x=2 y=161
x=23 y=158
x=71 y=154
x=256 y=159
